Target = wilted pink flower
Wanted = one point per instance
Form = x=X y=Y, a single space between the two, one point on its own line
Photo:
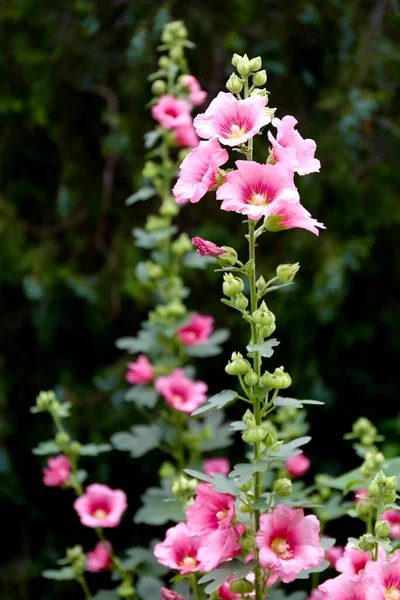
x=100 y=506
x=196 y=95
x=383 y=574
x=100 y=558
x=361 y=493
x=206 y=248
x=57 y=472
x=198 y=171
x=316 y=595
x=353 y=561
x=216 y=465
x=344 y=587
x=219 y=546
x=333 y=554
x=291 y=149
x=171 y=112
x=197 y=331
x=180 y=550
x=180 y=392
x=140 y=371
x=289 y=215
x=185 y=135
x=170 y=595
x=289 y=542
x=393 y=516
x=232 y=121
x=210 y=511
x=298 y=465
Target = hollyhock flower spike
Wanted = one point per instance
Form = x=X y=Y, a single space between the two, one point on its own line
x=198 y=171
x=393 y=517
x=290 y=149
x=180 y=392
x=289 y=542
x=140 y=371
x=216 y=465
x=346 y=587
x=383 y=574
x=100 y=506
x=197 y=331
x=57 y=472
x=171 y=112
x=206 y=248
x=99 y=559
x=232 y=121
x=298 y=465
x=210 y=511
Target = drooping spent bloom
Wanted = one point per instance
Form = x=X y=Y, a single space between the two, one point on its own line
x=197 y=331
x=210 y=511
x=352 y=560
x=185 y=135
x=180 y=550
x=232 y=121
x=345 y=587
x=206 y=248
x=288 y=215
x=333 y=554
x=171 y=112
x=198 y=171
x=196 y=95
x=180 y=392
x=57 y=472
x=100 y=506
x=216 y=465
x=289 y=542
x=290 y=149
x=384 y=573
x=140 y=371
x=298 y=465
x=166 y=594
x=393 y=517
x=99 y=559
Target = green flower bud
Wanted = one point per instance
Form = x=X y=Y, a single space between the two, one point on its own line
x=365 y=470
x=164 y=62
x=47 y=401
x=391 y=483
x=367 y=542
x=278 y=380
x=62 y=438
x=156 y=223
x=176 y=53
x=283 y=487
x=246 y=486
x=150 y=169
x=248 y=418
x=260 y=78
x=381 y=479
x=232 y=285
x=251 y=378
x=75 y=448
x=382 y=529
x=388 y=497
x=167 y=469
x=363 y=510
x=182 y=245
x=77 y=559
x=184 y=486
x=268 y=330
x=286 y=273
x=256 y=63
x=247 y=542
x=379 y=458
x=235 y=59
x=263 y=316
x=241 y=586
x=126 y=589
x=243 y=66
x=241 y=301
x=374 y=489
x=169 y=208
x=270 y=438
x=228 y=258
x=234 y=84
x=260 y=284
x=254 y=435
x=154 y=271
x=159 y=87
x=237 y=365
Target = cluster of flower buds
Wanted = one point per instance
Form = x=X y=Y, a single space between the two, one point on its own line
x=383 y=488
x=247 y=67
x=278 y=380
x=364 y=431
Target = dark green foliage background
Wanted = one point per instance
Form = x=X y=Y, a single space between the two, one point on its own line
x=71 y=126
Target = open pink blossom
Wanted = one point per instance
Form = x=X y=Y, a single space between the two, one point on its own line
x=291 y=149
x=210 y=511
x=140 y=371
x=361 y=493
x=166 y=594
x=345 y=587
x=185 y=135
x=298 y=465
x=197 y=331
x=232 y=121
x=316 y=595
x=333 y=554
x=289 y=542
x=57 y=472
x=180 y=550
x=206 y=248
x=216 y=465
x=171 y=112
x=198 y=171
x=393 y=517
x=220 y=546
x=180 y=392
x=99 y=559
x=352 y=560
x=384 y=574
x=100 y=506
x=289 y=215
x=196 y=95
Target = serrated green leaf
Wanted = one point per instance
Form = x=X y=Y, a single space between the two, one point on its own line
x=219 y=336
x=150 y=137
x=59 y=574
x=143 y=194
x=217 y=401
x=140 y=440
x=142 y=395
x=289 y=449
x=243 y=472
x=148 y=587
x=193 y=260
x=293 y=402
x=214 y=579
x=203 y=350
x=266 y=349
x=144 y=342
x=159 y=508
x=305 y=573
x=49 y=447
x=95 y=449
x=219 y=482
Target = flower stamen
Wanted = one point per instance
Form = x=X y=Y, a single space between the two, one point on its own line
x=281 y=548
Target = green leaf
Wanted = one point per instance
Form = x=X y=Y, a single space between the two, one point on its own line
x=149 y=239
x=327 y=542
x=265 y=349
x=106 y=595
x=305 y=573
x=141 y=272
x=217 y=401
x=221 y=432
x=95 y=449
x=218 y=576
x=59 y=574
x=148 y=587
x=143 y=194
x=293 y=403
x=219 y=336
x=203 y=350
x=150 y=137
x=143 y=562
x=142 y=395
x=219 y=482
x=243 y=472
x=144 y=342
x=290 y=448
x=193 y=260
x=281 y=595
x=49 y=447
x=159 y=508
x=141 y=440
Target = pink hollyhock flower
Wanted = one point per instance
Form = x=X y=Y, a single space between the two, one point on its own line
x=289 y=542
x=384 y=575
x=198 y=171
x=185 y=135
x=393 y=516
x=206 y=248
x=361 y=493
x=170 y=595
x=232 y=121
x=197 y=331
x=219 y=546
x=171 y=112
x=344 y=587
x=288 y=215
x=57 y=472
x=196 y=95
x=291 y=149
x=298 y=465
x=100 y=506
x=316 y=595
x=140 y=371
x=333 y=554
x=352 y=560
x=100 y=558
x=180 y=392
x=180 y=550
x=210 y=511
x=216 y=465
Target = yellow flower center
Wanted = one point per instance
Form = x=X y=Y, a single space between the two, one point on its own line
x=189 y=561
x=222 y=514
x=258 y=199
x=281 y=548
x=177 y=399
x=236 y=132
x=392 y=594
x=99 y=513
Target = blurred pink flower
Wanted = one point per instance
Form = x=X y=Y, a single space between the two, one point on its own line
x=171 y=112
x=99 y=559
x=100 y=506
x=291 y=149
x=393 y=516
x=345 y=587
x=196 y=95
x=197 y=331
x=170 y=595
x=57 y=472
x=185 y=135
x=333 y=554
x=298 y=465
x=353 y=561
x=210 y=511
x=216 y=465
x=180 y=392
x=316 y=595
x=140 y=371
x=206 y=248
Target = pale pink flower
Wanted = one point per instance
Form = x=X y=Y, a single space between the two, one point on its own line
x=361 y=493
x=232 y=121
x=185 y=135
x=352 y=560
x=206 y=248
x=166 y=594
x=171 y=112
x=180 y=392
x=393 y=516
x=288 y=215
x=289 y=542
x=198 y=171
x=316 y=595
x=140 y=371
x=344 y=587
x=180 y=550
x=333 y=554
x=196 y=95
x=99 y=559
x=219 y=546
x=298 y=465
x=210 y=511
x=100 y=506
x=216 y=465
x=57 y=472
x=197 y=331
x=383 y=574
x=291 y=149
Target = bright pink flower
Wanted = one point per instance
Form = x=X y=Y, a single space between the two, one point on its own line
x=206 y=248
x=196 y=95
x=291 y=149
x=180 y=392
x=100 y=506
x=171 y=112
x=216 y=465
x=316 y=595
x=232 y=121
x=170 y=595
x=198 y=171
x=185 y=135
x=384 y=574
x=100 y=558
x=352 y=560
x=393 y=516
x=344 y=587
x=289 y=215
x=180 y=550
x=210 y=511
x=197 y=331
x=219 y=546
x=140 y=371
x=289 y=542
x=57 y=472
x=361 y=493
x=298 y=465
x=333 y=554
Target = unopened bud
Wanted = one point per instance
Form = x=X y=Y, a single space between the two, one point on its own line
x=150 y=169
x=270 y=438
x=156 y=223
x=232 y=285
x=247 y=543
x=278 y=380
x=237 y=365
x=268 y=330
x=154 y=270
x=260 y=78
x=248 y=418
x=159 y=87
x=260 y=284
x=234 y=84
x=286 y=273
x=75 y=448
x=254 y=435
x=391 y=483
x=263 y=316
x=256 y=63
x=241 y=301
x=363 y=510
x=283 y=487
x=243 y=66
x=251 y=378
x=182 y=245
x=367 y=542
x=62 y=439
x=167 y=469
x=241 y=586
x=382 y=529
x=235 y=59
x=169 y=208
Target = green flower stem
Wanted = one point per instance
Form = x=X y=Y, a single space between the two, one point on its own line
x=82 y=581
x=195 y=587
